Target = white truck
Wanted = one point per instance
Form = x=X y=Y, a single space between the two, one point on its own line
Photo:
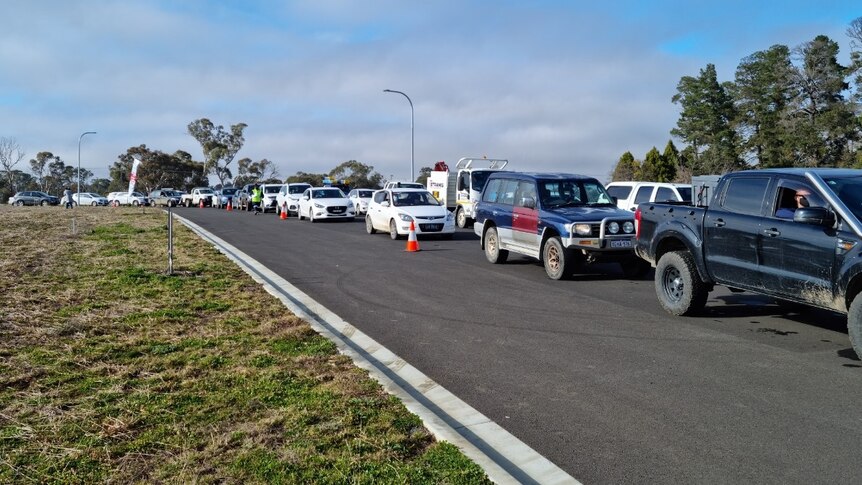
x=198 y=195
x=459 y=190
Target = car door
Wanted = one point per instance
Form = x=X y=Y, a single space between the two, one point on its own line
x=731 y=231
x=377 y=212
x=525 y=216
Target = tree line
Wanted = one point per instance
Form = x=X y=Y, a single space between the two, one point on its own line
x=158 y=169
x=785 y=107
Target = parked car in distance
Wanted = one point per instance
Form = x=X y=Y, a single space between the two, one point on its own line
x=270 y=192
x=563 y=220
x=319 y=203
x=396 y=184
x=124 y=198
x=86 y=198
x=197 y=197
x=630 y=194
x=393 y=210
x=166 y=197
x=225 y=195
x=290 y=194
x=360 y=199
x=34 y=197
x=242 y=199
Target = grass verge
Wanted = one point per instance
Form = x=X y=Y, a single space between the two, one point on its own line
x=112 y=371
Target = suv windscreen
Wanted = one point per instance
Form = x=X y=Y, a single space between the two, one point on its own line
x=570 y=193
x=297 y=189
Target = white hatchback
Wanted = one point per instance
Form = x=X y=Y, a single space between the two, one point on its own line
x=392 y=211
x=360 y=199
x=319 y=203
x=289 y=196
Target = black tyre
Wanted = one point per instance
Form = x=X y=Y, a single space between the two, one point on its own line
x=94 y=204
x=369 y=227
x=493 y=253
x=311 y=215
x=559 y=262
x=44 y=203
x=854 y=325
x=461 y=218
x=393 y=230
x=19 y=203
x=135 y=203
x=678 y=286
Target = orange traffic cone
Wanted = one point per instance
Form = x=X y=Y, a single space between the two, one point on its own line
x=229 y=206
x=284 y=212
x=201 y=205
x=412 y=243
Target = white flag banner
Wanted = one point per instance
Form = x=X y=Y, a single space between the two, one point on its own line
x=134 y=177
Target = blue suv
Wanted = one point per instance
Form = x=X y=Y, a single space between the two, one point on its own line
x=563 y=220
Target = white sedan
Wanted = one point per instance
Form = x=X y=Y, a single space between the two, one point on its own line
x=86 y=198
x=360 y=199
x=319 y=203
x=392 y=211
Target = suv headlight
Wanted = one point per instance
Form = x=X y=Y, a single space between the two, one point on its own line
x=582 y=229
x=628 y=227
x=614 y=227
x=405 y=217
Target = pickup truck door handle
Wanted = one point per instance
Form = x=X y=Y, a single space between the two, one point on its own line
x=772 y=232
x=719 y=223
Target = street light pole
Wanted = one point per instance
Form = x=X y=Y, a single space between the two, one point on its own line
x=79 y=162
x=412 y=150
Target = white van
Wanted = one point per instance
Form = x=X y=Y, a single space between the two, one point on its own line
x=630 y=194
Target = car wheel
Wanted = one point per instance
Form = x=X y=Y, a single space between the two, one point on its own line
x=679 y=288
x=393 y=230
x=369 y=227
x=135 y=203
x=854 y=324
x=461 y=218
x=94 y=204
x=19 y=203
x=44 y=203
x=311 y=215
x=493 y=253
x=188 y=203
x=559 y=262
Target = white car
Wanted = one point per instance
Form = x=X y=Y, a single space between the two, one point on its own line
x=268 y=202
x=392 y=211
x=319 y=203
x=360 y=199
x=290 y=195
x=124 y=198
x=630 y=194
x=86 y=198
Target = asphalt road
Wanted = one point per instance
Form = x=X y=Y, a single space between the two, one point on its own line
x=591 y=373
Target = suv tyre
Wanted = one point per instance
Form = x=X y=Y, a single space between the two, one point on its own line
x=491 y=242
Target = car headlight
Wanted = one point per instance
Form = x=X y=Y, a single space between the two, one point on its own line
x=405 y=217
x=614 y=227
x=582 y=229
x=319 y=206
x=628 y=227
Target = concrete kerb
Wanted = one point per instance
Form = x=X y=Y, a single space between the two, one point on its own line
x=505 y=458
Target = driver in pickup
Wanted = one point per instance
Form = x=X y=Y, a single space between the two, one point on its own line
x=802 y=198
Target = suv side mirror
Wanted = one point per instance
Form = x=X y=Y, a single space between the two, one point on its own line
x=818 y=216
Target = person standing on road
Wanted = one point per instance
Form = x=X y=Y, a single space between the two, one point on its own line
x=67 y=194
x=256 y=197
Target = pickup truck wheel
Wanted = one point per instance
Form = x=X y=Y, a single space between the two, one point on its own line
x=679 y=288
x=493 y=253
x=558 y=261
x=461 y=218
x=854 y=324
x=188 y=203
x=369 y=227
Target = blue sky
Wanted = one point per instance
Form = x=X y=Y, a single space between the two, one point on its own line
x=549 y=85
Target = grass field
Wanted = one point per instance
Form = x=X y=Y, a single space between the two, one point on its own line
x=113 y=371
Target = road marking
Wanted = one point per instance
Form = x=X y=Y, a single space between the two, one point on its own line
x=503 y=457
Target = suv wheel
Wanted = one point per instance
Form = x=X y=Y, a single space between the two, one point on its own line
x=559 y=262
x=493 y=252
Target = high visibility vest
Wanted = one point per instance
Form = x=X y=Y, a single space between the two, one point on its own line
x=256 y=195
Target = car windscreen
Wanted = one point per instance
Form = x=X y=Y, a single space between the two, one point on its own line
x=849 y=190
x=479 y=178
x=407 y=199
x=569 y=193
x=296 y=189
x=327 y=194
x=685 y=193
x=365 y=193
x=272 y=189
x=619 y=191
x=229 y=191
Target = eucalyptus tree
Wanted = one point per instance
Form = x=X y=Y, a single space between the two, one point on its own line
x=219 y=145
x=357 y=174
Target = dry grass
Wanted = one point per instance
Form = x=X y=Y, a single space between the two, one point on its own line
x=112 y=371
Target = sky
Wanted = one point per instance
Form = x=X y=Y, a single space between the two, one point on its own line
x=550 y=85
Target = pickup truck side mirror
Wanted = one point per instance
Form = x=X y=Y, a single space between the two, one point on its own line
x=818 y=216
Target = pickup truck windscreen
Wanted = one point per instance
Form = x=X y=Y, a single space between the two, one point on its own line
x=569 y=193
x=849 y=190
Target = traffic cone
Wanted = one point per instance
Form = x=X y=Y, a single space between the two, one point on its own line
x=412 y=243
x=201 y=205
x=284 y=212
x=229 y=205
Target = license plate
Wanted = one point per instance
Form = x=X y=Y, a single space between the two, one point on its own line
x=337 y=211
x=625 y=243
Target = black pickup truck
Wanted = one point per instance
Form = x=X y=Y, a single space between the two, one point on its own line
x=792 y=234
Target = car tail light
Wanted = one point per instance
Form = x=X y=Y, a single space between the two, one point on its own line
x=637 y=222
